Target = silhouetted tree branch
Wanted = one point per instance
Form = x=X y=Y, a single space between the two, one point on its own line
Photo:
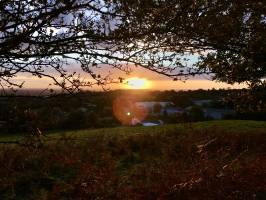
x=174 y=38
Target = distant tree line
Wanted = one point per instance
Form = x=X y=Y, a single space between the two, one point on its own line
x=94 y=109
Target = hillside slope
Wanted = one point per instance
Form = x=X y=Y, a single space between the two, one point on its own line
x=205 y=160
x=226 y=125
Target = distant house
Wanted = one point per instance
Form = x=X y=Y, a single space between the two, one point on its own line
x=159 y=107
x=173 y=111
x=211 y=112
x=215 y=113
x=150 y=104
x=201 y=102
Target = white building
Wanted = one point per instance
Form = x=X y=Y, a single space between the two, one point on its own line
x=166 y=107
x=150 y=106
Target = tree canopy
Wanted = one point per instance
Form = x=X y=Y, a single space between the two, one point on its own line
x=40 y=37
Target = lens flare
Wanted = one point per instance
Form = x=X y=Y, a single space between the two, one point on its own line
x=125 y=111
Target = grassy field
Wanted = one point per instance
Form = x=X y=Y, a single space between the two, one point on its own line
x=227 y=125
x=204 y=160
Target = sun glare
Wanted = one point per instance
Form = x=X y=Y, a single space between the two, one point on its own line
x=137 y=83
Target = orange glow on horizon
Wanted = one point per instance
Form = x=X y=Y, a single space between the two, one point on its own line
x=137 y=83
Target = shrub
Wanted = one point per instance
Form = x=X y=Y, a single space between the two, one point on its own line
x=188 y=164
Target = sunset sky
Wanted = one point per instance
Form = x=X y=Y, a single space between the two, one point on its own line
x=153 y=81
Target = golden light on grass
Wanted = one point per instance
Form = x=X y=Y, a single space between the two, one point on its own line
x=137 y=83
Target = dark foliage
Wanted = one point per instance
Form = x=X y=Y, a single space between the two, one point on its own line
x=38 y=37
x=193 y=164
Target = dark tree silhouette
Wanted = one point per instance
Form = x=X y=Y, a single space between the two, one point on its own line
x=41 y=37
x=228 y=36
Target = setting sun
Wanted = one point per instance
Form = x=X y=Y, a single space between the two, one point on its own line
x=137 y=83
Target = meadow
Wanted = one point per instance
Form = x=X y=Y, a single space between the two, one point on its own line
x=204 y=160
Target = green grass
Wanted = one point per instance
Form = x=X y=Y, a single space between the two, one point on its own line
x=228 y=125
x=204 y=160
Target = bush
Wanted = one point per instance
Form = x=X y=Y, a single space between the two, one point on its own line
x=188 y=164
x=78 y=119
x=196 y=114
